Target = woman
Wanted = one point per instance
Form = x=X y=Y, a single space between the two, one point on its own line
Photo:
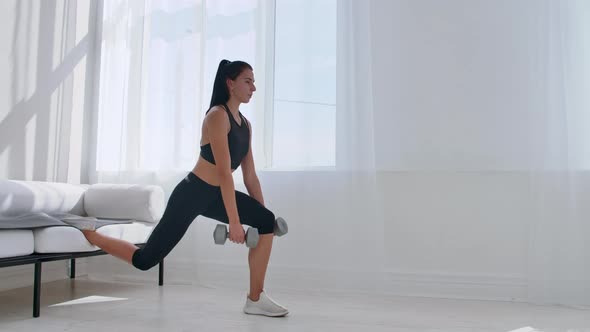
x=209 y=190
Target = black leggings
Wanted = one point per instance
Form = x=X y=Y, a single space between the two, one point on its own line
x=193 y=197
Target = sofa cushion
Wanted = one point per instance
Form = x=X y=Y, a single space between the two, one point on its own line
x=42 y=219
x=20 y=197
x=69 y=239
x=16 y=242
x=124 y=201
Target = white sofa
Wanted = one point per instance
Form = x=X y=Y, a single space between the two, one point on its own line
x=143 y=205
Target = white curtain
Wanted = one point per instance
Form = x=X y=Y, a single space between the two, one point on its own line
x=158 y=60
x=559 y=251
x=355 y=130
x=157 y=64
x=149 y=95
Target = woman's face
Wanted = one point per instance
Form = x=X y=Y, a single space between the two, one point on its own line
x=242 y=87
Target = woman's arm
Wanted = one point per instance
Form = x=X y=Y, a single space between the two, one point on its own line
x=249 y=173
x=218 y=126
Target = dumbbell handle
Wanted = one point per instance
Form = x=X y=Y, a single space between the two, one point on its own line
x=221 y=234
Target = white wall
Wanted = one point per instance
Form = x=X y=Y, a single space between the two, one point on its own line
x=46 y=83
x=454 y=86
x=46 y=87
x=453 y=112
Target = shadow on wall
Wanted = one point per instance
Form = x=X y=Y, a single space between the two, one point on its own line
x=49 y=89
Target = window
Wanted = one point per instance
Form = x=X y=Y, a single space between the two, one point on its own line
x=157 y=66
x=304 y=105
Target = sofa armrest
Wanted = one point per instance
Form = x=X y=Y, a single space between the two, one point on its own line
x=123 y=201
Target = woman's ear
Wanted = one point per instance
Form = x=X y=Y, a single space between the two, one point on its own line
x=230 y=85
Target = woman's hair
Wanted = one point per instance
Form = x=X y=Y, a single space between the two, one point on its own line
x=227 y=69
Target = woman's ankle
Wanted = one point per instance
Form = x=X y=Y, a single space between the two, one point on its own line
x=254 y=295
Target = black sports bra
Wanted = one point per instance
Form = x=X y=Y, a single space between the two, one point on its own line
x=238 y=140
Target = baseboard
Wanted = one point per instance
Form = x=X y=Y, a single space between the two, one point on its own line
x=456 y=286
x=401 y=283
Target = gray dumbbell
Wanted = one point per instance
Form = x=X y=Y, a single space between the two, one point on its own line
x=281 y=227
x=220 y=235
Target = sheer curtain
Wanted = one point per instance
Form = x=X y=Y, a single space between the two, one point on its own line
x=355 y=132
x=158 y=59
x=157 y=64
x=149 y=95
x=559 y=251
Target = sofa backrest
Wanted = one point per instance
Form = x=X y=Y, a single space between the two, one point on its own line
x=110 y=201
x=20 y=197
x=125 y=201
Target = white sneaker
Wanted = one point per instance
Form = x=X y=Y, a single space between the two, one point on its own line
x=264 y=306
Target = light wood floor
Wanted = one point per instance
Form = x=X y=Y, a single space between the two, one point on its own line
x=143 y=307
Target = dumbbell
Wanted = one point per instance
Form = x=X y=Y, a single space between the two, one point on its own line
x=220 y=235
x=280 y=227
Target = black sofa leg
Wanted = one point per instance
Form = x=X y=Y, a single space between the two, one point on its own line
x=72 y=268
x=161 y=276
x=37 y=290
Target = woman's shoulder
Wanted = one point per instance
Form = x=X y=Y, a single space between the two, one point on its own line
x=215 y=109
x=216 y=112
x=216 y=116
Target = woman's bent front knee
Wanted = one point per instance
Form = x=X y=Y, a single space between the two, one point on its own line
x=140 y=261
x=266 y=222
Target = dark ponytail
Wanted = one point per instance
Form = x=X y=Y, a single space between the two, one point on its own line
x=226 y=70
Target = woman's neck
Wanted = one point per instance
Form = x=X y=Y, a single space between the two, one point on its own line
x=234 y=106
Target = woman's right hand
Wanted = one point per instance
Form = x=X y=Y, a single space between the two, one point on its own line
x=236 y=233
